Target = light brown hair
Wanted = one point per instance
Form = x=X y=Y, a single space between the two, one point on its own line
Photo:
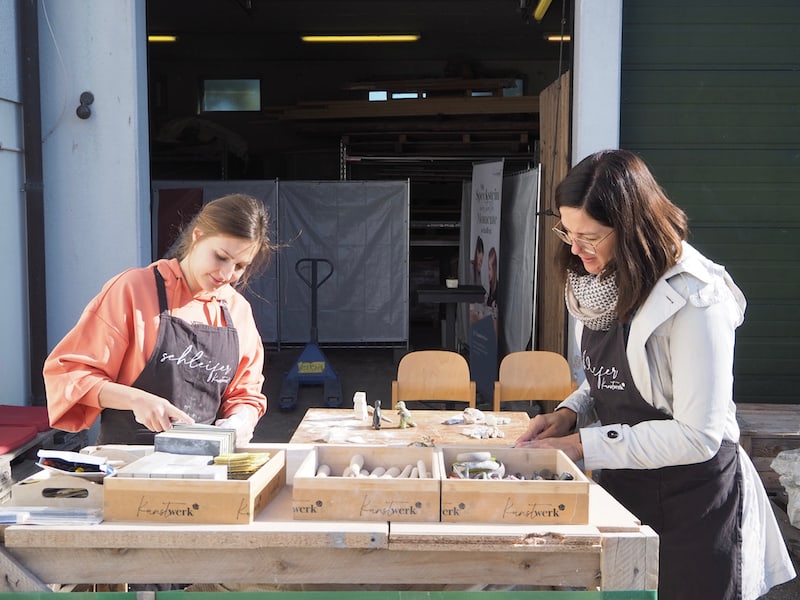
x=235 y=215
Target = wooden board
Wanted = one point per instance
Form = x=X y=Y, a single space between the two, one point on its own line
x=619 y=555
x=339 y=426
x=362 y=109
x=554 y=134
x=769 y=420
x=16 y=578
x=766 y=430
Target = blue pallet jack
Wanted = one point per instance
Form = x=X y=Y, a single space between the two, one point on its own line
x=311 y=367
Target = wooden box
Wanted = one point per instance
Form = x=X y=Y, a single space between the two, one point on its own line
x=46 y=488
x=509 y=501
x=194 y=500
x=365 y=498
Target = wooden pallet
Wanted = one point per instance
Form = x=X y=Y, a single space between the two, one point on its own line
x=766 y=430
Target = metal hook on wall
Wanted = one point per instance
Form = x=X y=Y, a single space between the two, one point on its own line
x=83 y=111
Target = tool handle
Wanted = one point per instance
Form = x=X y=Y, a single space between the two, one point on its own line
x=314 y=282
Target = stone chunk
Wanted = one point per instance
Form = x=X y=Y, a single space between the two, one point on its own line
x=787 y=465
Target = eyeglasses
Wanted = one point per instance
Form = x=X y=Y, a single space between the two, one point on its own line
x=584 y=245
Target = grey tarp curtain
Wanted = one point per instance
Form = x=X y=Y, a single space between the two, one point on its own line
x=360 y=226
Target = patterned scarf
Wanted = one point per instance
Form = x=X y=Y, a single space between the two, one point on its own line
x=592 y=300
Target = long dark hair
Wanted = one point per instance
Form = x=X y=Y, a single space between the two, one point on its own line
x=615 y=188
x=235 y=215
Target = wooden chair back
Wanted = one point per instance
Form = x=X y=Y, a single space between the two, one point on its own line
x=440 y=375
x=533 y=375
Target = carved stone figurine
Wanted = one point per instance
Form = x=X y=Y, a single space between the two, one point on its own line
x=376 y=415
x=405 y=416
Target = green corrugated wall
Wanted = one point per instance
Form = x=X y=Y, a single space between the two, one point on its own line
x=711 y=100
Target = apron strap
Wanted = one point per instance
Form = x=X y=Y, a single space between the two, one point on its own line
x=162 y=291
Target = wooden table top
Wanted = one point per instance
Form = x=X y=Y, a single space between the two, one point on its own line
x=339 y=426
x=774 y=420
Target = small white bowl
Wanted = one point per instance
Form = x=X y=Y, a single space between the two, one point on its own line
x=451 y=283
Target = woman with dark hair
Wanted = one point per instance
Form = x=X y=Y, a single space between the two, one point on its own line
x=655 y=418
x=174 y=341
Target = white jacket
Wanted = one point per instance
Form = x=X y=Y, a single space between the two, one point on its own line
x=680 y=352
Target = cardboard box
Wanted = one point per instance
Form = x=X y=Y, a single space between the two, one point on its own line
x=365 y=498
x=509 y=501
x=194 y=500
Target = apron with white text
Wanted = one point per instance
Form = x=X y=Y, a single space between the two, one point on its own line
x=695 y=509
x=191 y=366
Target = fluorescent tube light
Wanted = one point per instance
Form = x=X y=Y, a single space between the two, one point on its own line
x=162 y=38
x=541 y=9
x=361 y=38
x=557 y=37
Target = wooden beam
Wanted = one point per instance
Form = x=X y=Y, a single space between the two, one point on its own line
x=432 y=85
x=16 y=578
x=358 y=109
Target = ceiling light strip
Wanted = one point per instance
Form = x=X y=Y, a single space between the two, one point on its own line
x=162 y=38
x=361 y=38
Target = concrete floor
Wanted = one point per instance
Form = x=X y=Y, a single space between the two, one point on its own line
x=371 y=370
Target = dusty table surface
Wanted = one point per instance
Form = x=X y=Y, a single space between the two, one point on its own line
x=339 y=426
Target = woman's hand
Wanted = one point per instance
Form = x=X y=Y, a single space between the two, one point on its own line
x=154 y=412
x=551 y=430
x=548 y=425
x=569 y=444
x=243 y=421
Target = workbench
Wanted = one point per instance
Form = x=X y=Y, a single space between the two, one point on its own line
x=612 y=552
x=339 y=426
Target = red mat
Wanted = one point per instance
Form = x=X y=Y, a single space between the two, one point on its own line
x=12 y=437
x=30 y=416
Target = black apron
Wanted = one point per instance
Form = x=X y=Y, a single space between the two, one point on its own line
x=695 y=509
x=191 y=366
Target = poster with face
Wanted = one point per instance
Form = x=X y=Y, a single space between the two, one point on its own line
x=487 y=187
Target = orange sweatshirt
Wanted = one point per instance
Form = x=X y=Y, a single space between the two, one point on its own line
x=117 y=332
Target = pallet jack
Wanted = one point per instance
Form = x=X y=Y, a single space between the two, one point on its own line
x=311 y=367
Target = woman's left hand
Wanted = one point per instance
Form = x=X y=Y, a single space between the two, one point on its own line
x=243 y=421
x=569 y=444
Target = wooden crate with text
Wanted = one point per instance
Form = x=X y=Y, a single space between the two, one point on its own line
x=194 y=500
x=563 y=502
x=370 y=496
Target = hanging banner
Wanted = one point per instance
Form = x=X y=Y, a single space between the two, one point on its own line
x=487 y=187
